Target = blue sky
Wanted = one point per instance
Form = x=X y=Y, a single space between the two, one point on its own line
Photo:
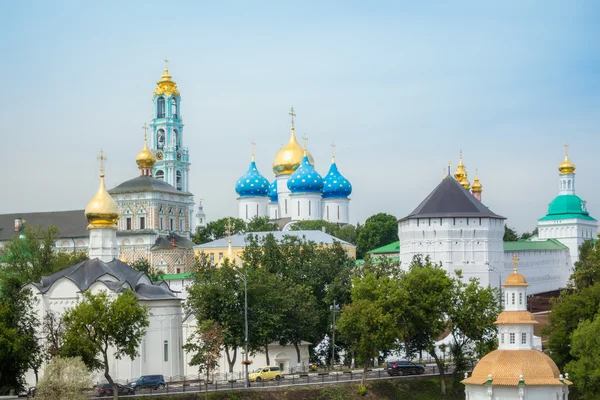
x=400 y=87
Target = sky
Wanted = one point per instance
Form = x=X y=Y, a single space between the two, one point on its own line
x=400 y=87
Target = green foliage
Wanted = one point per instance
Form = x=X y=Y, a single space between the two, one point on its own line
x=378 y=230
x=64 y=379
x=219 y=229
x=206 y=346
x=587 y=269
x=510 y=234
x=362 y=390
x=261 y=224
x=584 y=368
x=19 y=347
x=527 y=235
x=101 y=322
x=142 y=264
x=347 y=233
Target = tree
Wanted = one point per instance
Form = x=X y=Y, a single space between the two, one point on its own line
x=219 y=229
x=20 y=349
x=64 y=379
x=429 y=301
x=586 y=353
x=103 y=323
x=261 y=224
x=510 y=234
x=142 y=264
x=587 y=269
x=527 y=235
x=370 y=324
x=378 y=230
x=206 y=348
x=53 y=329
x=348 y=233
x=216 y=294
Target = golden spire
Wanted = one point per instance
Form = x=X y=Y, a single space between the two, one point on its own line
x=166 y=85
x=476 y=184
x=253 y=144
x=102 y=211
x=145 y=158
x=566 y=167
x=332 y=152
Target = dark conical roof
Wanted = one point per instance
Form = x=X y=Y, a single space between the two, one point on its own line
x=450 y=199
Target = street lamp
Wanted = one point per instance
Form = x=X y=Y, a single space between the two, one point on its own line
x=246 y=361
x=490 y=268
x=333 y=308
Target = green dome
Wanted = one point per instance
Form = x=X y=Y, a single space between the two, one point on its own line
x=567 y=206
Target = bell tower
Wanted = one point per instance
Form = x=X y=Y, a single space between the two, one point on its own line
x=172 y=158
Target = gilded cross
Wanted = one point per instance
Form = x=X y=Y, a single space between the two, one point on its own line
x=305 y=140
x=166 y=63
x=229 y=227
x=332 y=150
x=102 y=158
x=253 y=144
x=566 y=148
x=515 y=260
x=145 y=128
x=293 y=115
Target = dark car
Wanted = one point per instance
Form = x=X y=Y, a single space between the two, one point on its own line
x=149 y=381
x=404 y=368
x=106 y=390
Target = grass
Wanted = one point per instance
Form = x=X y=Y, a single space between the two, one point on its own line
x=392 y=389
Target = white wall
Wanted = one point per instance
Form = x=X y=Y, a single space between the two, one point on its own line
x=571 y=232
x=336 y=210
x=480 y=392
x=544 y=270
x=250 y=207
x=305 y=206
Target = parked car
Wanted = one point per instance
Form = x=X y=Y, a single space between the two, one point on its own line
x=265 y=374
x=31 y=391
x=106 y=390
x=404 y=368
x=149 y=381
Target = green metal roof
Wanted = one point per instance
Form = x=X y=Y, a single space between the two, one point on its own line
x=174 y=277
x=532 y=245
x=376 y=260
x=567 y=206
x=388 y=248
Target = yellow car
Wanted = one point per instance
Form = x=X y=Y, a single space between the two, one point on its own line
x=265 y=374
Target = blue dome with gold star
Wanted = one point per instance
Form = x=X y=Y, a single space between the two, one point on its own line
x=273 y=192
x=252 y=183
x=335 y=185
x=305 y=179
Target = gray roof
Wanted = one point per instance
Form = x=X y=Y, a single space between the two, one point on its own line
x=164 y=242
x=240 y=239
x=145 y=184
x=70 y=223
x=450 y=199
x=85 y=273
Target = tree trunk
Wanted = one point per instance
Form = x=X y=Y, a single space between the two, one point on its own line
x=35 y=371
x=363 y=381
x=440 y=366
x=297 y=352
x=267 y=354
x=206 y=384
x=108 y=377
x=231 y=360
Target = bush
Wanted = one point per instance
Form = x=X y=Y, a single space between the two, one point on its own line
x=362 y=390
x=64 y=379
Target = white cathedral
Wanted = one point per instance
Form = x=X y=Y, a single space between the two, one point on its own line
x=298 y=192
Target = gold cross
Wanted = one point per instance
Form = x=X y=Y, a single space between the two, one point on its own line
x=515 y=260
x=145 y=128
x=229 y=227
x=332 y=151
x=102 y=158
x=253 y=144
x=304 y=139
x=566 y=148
x=293 y=115
x=166 y=63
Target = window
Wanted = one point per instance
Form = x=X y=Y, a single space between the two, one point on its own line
x=513 y=298
x=171 y=223
x=328 y=212
x=338 y=212
x=309 y=207
x=511 y=338
x=502 y=338
x=286 y=210
x=166 y=350
x=160 y=139
x=160 y=174
x=523 y=338
x=212 y=257
x=161 y=223
x=220 y=256
x=174 y=107
x=246 y=211
x=178 y=179
x=128 y=221
x=520 y=298
x=298 y=208
x=178 y=270
x=160 y=107
x=453 y=221
x=176 y=139
x=257 y=210
x=142 y=222
x=507 y=298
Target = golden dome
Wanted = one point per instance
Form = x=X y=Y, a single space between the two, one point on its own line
x=515 y=279
x=166 y=85
x=465 y=183
x=506 y=367
x=102 y=211
x=290 y=157
x=566 y=167
x=145 y=158
x=515 y=317
x=476 y=184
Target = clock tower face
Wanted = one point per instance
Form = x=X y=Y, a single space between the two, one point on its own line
x=159 y=155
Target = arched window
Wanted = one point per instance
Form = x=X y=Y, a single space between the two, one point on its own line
x=174 y=107
x=160 y=174
x=178 y=179
x=176 y=139
x=160 y=139
x=160 y=107
x=166 y=350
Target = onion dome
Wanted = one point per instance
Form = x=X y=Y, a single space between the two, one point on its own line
x=273 y=196
x=460 y=174
x=290 y=157
x=145 y=158
x=566 y=167
x=166 y=85
x=477 y=187
x=252 y=183
x=305 y=179
x=102 y=211
x=335 y=185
